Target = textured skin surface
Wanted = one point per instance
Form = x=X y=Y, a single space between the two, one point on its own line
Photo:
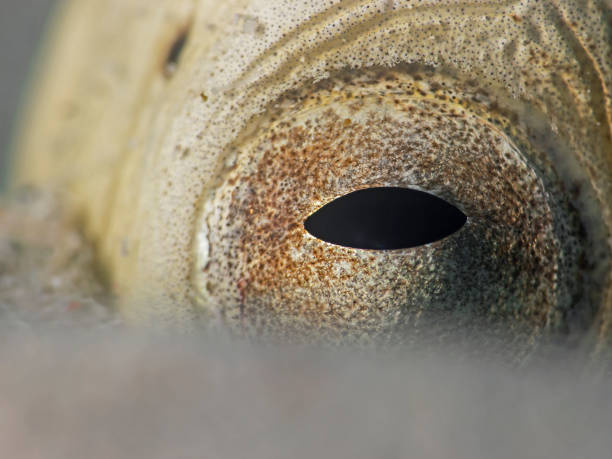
x=384 y=134
x=158 y=162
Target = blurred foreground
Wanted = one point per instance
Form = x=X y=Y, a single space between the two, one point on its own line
x=110 y=394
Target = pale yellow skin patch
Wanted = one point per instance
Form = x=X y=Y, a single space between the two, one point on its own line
x=135 y=152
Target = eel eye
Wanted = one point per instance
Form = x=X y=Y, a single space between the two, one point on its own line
x=385 y=218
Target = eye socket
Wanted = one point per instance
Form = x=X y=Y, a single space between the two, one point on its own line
x=385 y=218
x=518 y=269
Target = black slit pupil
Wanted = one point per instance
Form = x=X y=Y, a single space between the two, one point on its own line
x=385 y=218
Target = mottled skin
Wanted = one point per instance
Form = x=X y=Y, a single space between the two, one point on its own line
x=389 y=132
x=193 y=177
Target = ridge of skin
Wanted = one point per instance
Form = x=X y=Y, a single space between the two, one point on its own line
x=136 y=154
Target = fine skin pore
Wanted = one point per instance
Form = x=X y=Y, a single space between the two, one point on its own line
x=171 y=151
x=190 y=141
